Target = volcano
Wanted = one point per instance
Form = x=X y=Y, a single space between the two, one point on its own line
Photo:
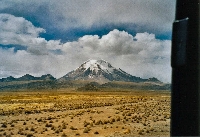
x=101 y=71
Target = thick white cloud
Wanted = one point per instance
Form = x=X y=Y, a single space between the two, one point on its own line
x=14 y=30
x=19 y=31
x=22 y=62
x=140 y=55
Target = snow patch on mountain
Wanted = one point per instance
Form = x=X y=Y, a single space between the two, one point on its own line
x=97 y=65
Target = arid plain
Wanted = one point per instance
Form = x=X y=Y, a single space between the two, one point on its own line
x=69 y=113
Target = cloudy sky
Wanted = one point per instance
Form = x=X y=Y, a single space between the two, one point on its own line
x=56 y=36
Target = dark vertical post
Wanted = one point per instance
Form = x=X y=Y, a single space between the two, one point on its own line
x=185 y=108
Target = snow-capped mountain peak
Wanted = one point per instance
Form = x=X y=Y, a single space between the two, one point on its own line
x=96 y=65
x=99 y=71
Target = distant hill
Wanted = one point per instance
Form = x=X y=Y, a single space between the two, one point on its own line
x=28 y=82
x=141 y=86
x=92 y=75
x=28 y=77
x=8 y=79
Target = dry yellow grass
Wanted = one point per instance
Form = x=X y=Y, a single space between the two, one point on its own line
x=70 y=113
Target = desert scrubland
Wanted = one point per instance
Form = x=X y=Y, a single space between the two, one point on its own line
x=69 y=113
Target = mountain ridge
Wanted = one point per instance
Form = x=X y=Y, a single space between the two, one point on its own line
x=101 y=71
x=27 y=77
x=84 y=78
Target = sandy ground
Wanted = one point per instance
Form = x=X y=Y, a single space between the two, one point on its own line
x=86 y=114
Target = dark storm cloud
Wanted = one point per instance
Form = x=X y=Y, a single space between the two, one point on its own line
x=151 y=15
